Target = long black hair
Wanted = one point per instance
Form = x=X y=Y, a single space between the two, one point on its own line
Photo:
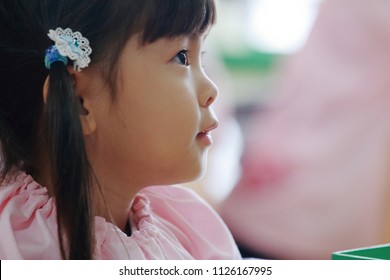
x=30 y=127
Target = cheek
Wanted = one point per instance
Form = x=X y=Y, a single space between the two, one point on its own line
x=169 y=128
x=164 y=111
x=163 y=140
x=155 y=129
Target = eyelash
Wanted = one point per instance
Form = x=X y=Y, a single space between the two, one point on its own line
x=179 y=56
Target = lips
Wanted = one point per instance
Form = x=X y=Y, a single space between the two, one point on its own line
x=204 y=136
x=211 y=127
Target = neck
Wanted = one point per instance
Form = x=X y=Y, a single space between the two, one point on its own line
x=113 y=202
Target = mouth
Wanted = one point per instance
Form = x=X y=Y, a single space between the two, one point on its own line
x=205 y=137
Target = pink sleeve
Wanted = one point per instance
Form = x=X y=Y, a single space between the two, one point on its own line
x=197 y=226
x=27 y=221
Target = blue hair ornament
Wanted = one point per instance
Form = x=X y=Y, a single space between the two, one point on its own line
x=53 y=55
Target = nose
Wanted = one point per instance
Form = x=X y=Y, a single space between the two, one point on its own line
x=208 y=91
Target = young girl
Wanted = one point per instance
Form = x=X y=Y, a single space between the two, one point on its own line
x=99 y=100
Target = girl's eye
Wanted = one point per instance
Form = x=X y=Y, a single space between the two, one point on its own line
x=182 y=58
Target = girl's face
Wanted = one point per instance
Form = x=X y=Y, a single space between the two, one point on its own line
x=156 y=131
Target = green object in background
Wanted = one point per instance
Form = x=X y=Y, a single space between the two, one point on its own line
x=379 y=252
x=250 y=60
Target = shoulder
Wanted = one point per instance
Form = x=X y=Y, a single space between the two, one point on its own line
x=202 y=231
x=18 y=190
x=27 y=219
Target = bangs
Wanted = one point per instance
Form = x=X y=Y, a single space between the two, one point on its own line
x=171 y=18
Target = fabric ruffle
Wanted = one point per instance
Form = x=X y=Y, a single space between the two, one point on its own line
x=27 y=220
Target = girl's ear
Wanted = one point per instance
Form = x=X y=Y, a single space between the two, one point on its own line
x=86 y=112
x=87 y=119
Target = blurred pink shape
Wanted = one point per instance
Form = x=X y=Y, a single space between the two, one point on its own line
x=316 y=168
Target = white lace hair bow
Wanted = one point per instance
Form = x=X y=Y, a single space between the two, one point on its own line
x=72 y=45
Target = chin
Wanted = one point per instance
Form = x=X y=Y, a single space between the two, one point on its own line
x=197 y=172
x=185 y=172
x=192 y=174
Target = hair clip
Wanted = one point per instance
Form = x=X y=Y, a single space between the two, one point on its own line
x=70 y=45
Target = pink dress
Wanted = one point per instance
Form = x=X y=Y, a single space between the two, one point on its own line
x=167 y=223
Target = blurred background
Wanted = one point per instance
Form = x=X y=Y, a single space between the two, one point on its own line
x=300 y=164
x=253 y=35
